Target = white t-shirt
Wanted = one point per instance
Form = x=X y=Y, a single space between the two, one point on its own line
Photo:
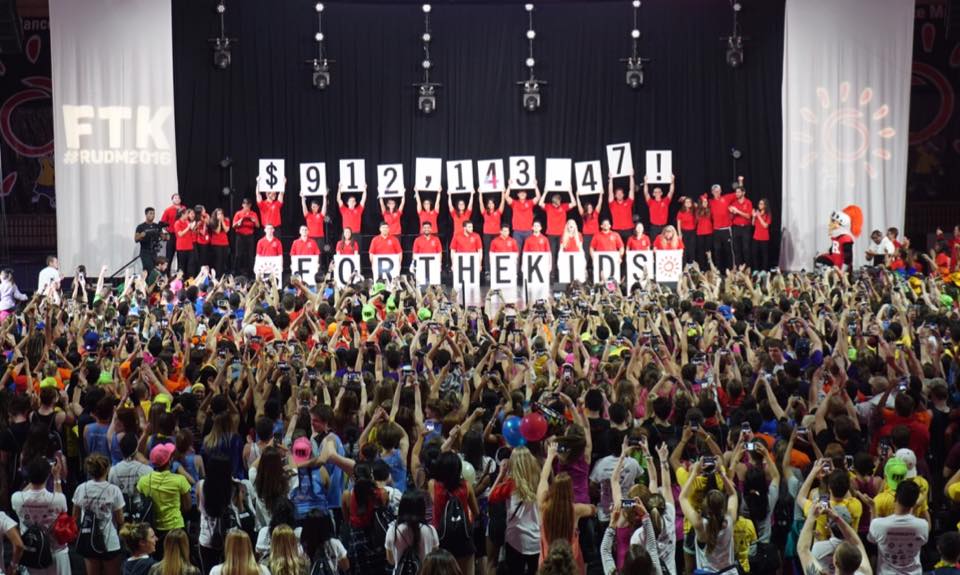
x=126 y=474
x=38 y=508
x=822 y=551
x=102 y=499
x=399 y=538
x=393 y=498
x=603 y=472
x=899 y=539
x=47 y=275
x=722 y=554
x=523 y=526
x=666 y=541
x=6 y=524
x=218 y=570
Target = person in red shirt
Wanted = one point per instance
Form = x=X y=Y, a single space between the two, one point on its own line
x=761 y=236
x=741 y=213
x=572 y=239
x=607 y=240
x=590 y=215
x=467 y=242
x=185 y=231
x=668 y=239
x=658 y=205
x=521 y=217
x=953 y=245
x=722 y=236
x=537 y=242
x=556 y=212
x=315 y=217
x=245 y=223
x=503 y=243
x=427 y=210
x=492 y=214
x=392 y=214
x=463 y=212
x=304 y=245
x=168 y=218
x=268 y=244
x=384 y=244
x=219 y=227
x=687 y=224
x=269 y=204
x=347 y=246
x=621 y=208
x=704 y=231
x=639 y=241
x=351 y=212
x=427 y=243
x=201 y=245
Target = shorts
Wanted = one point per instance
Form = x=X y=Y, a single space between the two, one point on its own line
x=106 y=556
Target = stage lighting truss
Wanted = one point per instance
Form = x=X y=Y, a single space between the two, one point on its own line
x=736 y=39
x=635 y=62
x=426 y=90
x=320 y=64
x=427 y=98
x=530 y=94
x=222 y=56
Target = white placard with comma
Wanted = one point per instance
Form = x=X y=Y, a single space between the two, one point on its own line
x=353 y=175
x=271 y=176
x=619 y=160
x=558 y=175
x=428 y=174
x=313 y=179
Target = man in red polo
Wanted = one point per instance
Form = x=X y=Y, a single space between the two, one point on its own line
x=722 y=253
x=268 y=244
x=521 y=209
x=537 y=242
x=607 y=240
x=269 y=204
x=503 y=243
x=427 y=243
x=467 y=241
x=351 y=211
x=741 y=221
x=304 y=245
x=245 y=224
x=167 y=220
x=621 y=207
x=556 y=212
x=658 y=205
x=384 y=244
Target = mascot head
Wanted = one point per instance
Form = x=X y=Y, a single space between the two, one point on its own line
x=846 y=222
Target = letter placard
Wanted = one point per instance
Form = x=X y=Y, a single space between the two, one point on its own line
x=491 y=175
x=503 y=271
x=640 y=268
x=669 y=265
x=619 y=160
x=428 y=173
x=466 y=270
x=271 y=178
x=460 y=177
x=345 y=269
x=659 y=166
x=270 y=267
x=606 y=266
x=558 y=175
x=385 y=266
x=589 y=178
x=313 y=179
x=523 y=171
x=536 y=268
x=353 y=175
x=305 y=268
x=390 y=180
x=427 y=269
x=571 y=267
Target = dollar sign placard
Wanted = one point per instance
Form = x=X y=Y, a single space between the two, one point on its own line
x=272 y=175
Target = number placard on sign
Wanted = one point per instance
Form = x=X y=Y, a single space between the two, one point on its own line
x=353 y=175
x=640 y=267
x=558 y=175
x=669 y=265
x=523 y=172
x=659 y=166
x=428 y=174
x=459 y=177
x=619 y=160
x=589 y=178
x=272 y=176
x=313 y=179
x=390 y=180
x=345 y=269
x=491 y=175
x=305 y=268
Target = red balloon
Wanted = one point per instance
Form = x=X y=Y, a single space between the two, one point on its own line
x=533 y=427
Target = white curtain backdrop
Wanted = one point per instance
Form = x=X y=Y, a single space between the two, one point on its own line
x=846 y=108
x=113 y=122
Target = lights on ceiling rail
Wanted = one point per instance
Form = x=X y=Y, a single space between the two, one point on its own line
x=530 y=88
x=221 y=45
x=735 y=41
x=634 y=74
x=426 y=90
x=320 y=64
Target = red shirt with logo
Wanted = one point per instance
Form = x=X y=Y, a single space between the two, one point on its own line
x=269 y=247
x=427 y=245
x=426 y=216
x=270 y=212
x=491 y=221
x=169 y=216
x=380 y=245
x=347 y=248
x=466 y=243
x=556 y=218
x=522 y=217
x=719 y=212
x=687 y=220
x=352 y=217
x=248 y=220
x=571 y=245
x=591 y=222
x=220 y=239
x=745 y=206
x=638 y=244
x=606 y=242
x=621 y=214
x=503 y=245
x=761 y=233
x=392 y=219
x=661 y=243
x=185 y=241
x=536 y=244
x=306 y=247
x=704 y=225
x=314 y=224
x=659 y=211
x=458 y=220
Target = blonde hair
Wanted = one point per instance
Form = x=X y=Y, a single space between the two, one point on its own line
x=525 y=472
x=285 y=557
x=176 y=553
x=238 y=556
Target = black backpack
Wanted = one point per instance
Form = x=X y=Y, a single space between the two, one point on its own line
x=222 y=525
x=377 y=532
x=782 y=521
x=455 y=531
x=321 y=564
x=37 y=548
x=90 y=542
x=409 y=563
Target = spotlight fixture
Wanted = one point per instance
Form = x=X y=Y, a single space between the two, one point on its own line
x=319 y=64
x=426 y=90
x=222 y=57
x=530 y=88
x=634 y=75
x=734 y=42
x=531 y=95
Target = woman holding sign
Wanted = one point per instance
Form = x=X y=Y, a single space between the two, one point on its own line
x=491 y=221
x=462 y=213
x=590 y=214
x=427 y=210
x=392 y=213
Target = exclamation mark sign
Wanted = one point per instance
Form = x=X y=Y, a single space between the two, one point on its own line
x=659 y=168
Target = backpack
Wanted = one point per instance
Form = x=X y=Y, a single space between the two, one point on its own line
x=321 y=563
x=37 y=552
x=766 y=558
x=377 y=532
x=455 y=532
x=141 y=506
x=409 y=563
x=222 y=525
x=91 y=541
x=782 y=520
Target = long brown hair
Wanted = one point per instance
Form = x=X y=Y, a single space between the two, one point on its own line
x=557 y=509
x=714 y=511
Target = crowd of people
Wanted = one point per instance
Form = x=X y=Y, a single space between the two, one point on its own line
x=755 y=422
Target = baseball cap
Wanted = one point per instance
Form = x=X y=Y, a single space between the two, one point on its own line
x=909 y=459
x=48 y=382
x=894 y=472
x=160 y=454
x=302 y=450
x=164 y=399
x=424 y=314
x=368 y=312
x=377 y=288
x=91 y=341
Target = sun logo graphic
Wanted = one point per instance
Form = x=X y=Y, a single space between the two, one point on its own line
x=846 y=134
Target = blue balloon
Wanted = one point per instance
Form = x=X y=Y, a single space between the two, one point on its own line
x=511 y=432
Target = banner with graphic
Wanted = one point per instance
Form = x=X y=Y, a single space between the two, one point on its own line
x=846 y=105
x=112 y=69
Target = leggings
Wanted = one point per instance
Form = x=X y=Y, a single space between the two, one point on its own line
x=520 y=564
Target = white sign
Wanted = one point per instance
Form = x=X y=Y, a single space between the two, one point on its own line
x=606 y=265
x=558 y=175
x=268 y=267
x=659 y=166
x=427 y=269
x=346 y=268
x=571 y=267
x=523 y=171
x=460 y=177
x=272 y=177
x=619 y=160
x=536 y=268
x=589 y=178
x=390 y=180
x=313 y=179
x=466 y=269
x=305 y=268
x=640 y=267
x=503 y=270
x=491 y=175
x=353 y=175
x=385 y=266
x=669 y=265
x=428 y=174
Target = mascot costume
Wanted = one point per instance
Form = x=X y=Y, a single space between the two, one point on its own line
x=844 y=229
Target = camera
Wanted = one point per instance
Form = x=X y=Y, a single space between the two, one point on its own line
x=708 y=464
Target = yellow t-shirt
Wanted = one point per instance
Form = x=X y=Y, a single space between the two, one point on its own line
x=884 y=501
x=697 y=492
x=165 y=489
x=744 y=535
x=852 y=504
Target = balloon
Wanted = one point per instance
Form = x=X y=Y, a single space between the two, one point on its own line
x=533 y=427
x=469 y=473
x=511 y=432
